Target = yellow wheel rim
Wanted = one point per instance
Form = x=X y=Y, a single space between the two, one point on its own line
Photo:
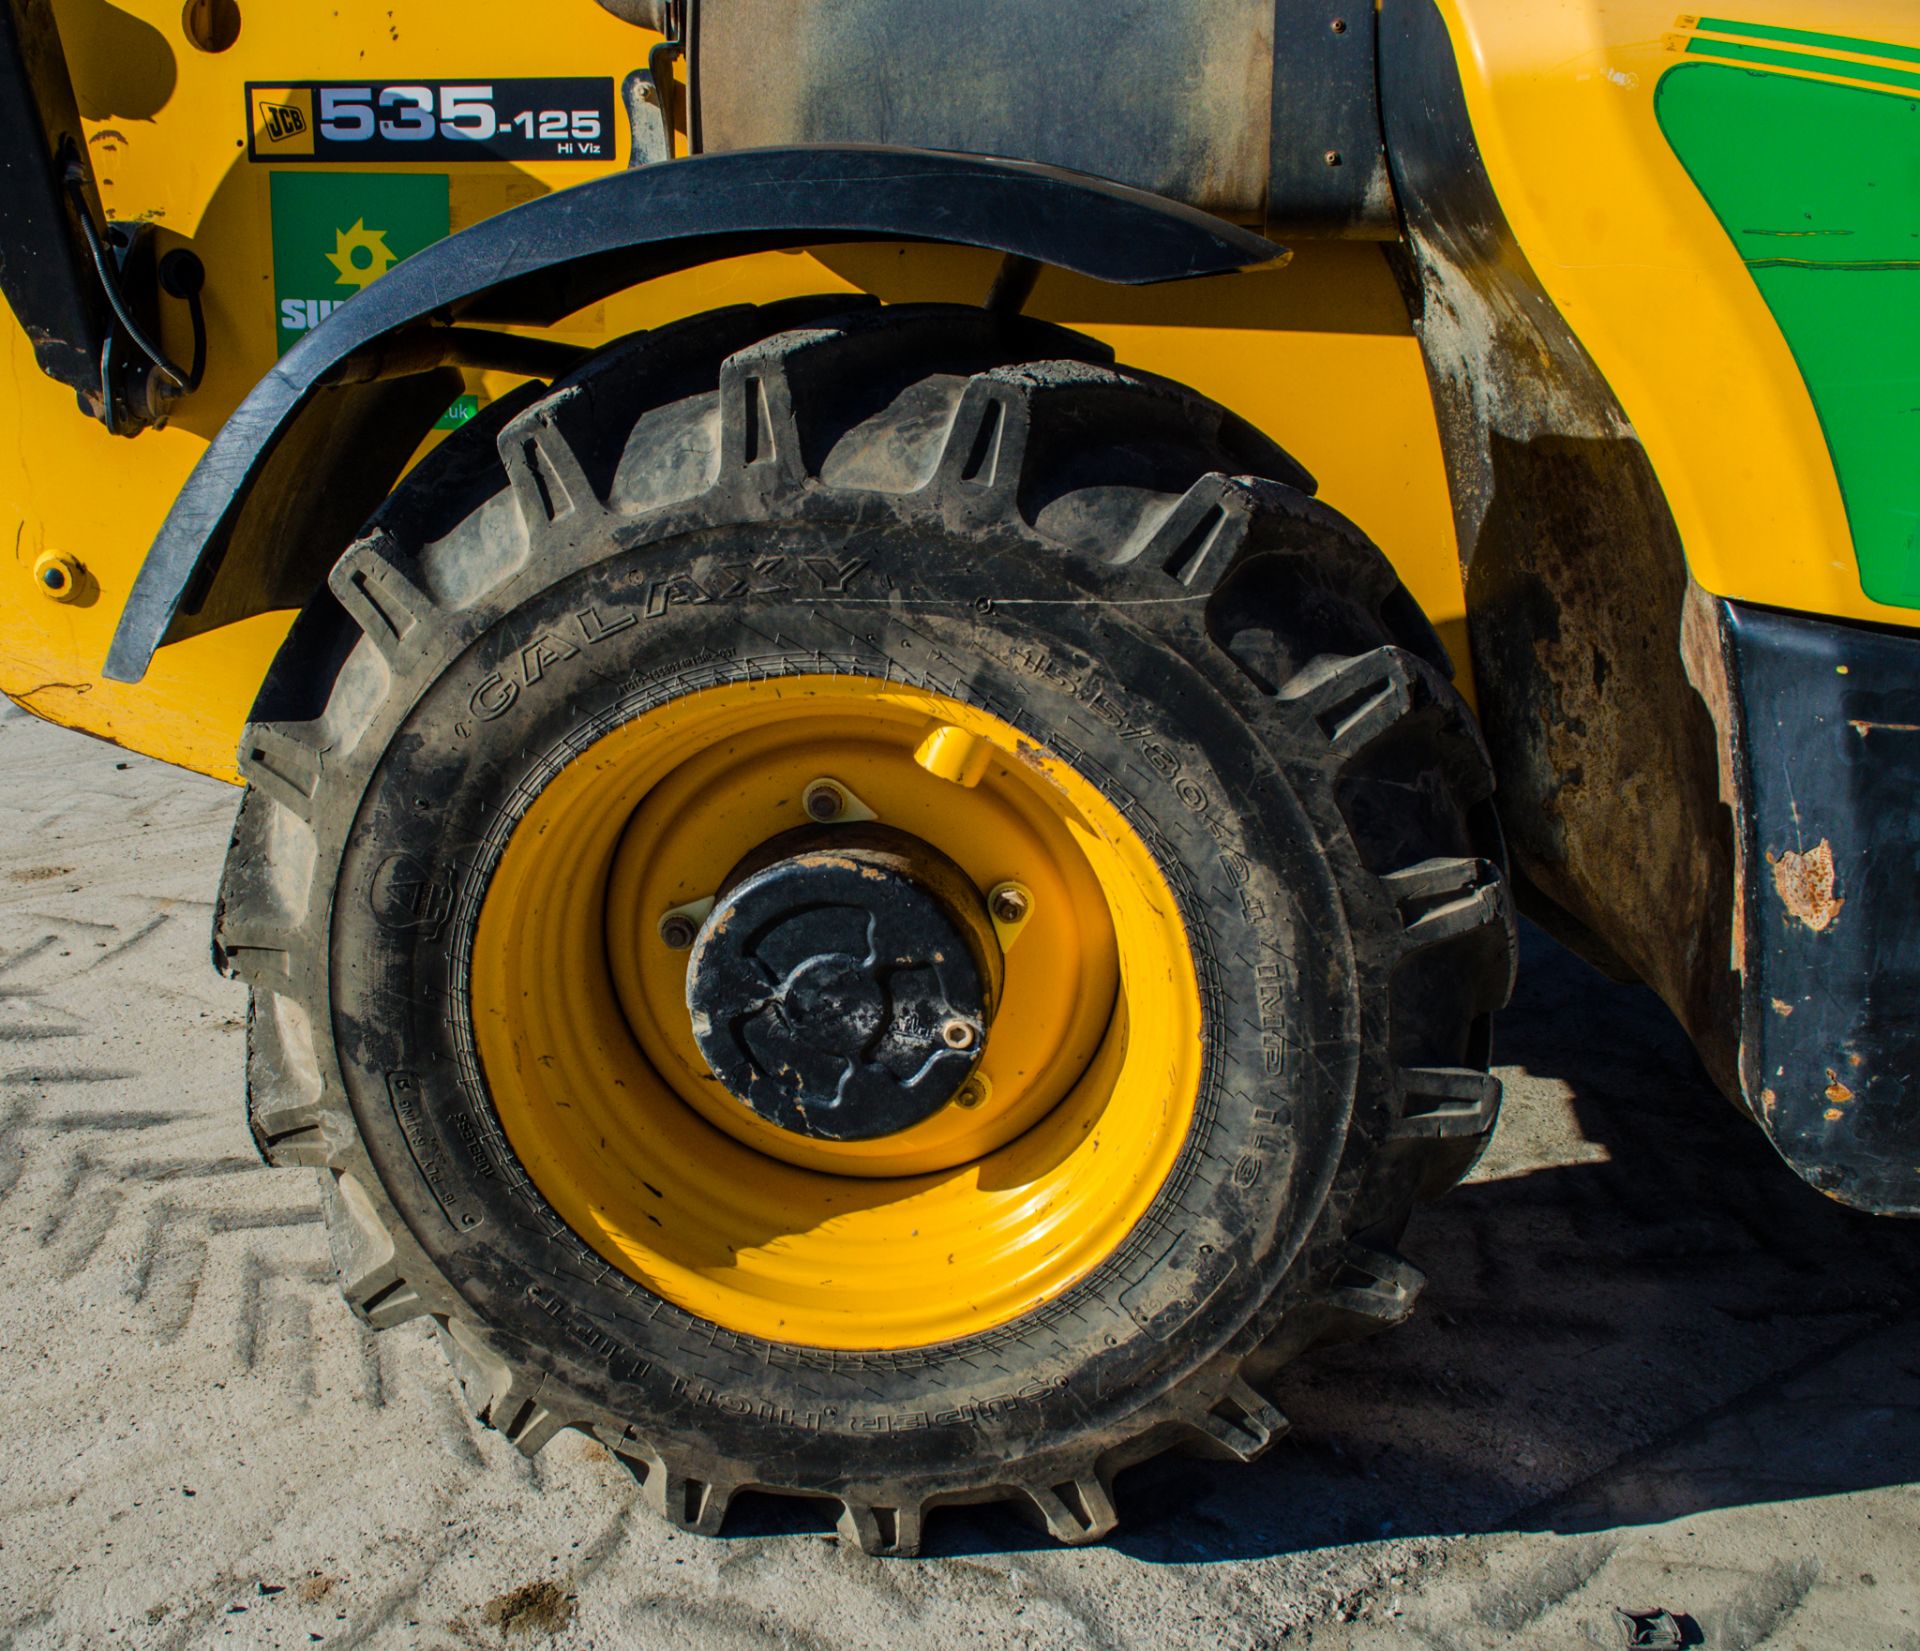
x=964 y=1221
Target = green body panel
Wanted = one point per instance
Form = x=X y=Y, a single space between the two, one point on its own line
x=1819 y=188
x=336 y=232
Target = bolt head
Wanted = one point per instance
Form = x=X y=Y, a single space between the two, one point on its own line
x=1339 y=25
x=58 y=577
x=957 y=1034
x=1333 y=157
x=823 y=802
x=971 y=1094
x=677 y=930
x=1009 y=905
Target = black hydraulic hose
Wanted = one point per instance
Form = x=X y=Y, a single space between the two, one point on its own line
x=111 y=285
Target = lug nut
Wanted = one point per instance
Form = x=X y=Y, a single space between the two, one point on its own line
x=957 y=1034
x=1009 y=903
x=824 y=801
x=677 y=930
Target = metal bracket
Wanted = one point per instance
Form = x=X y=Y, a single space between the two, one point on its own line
x=652 y=94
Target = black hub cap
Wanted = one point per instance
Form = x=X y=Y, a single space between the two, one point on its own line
x=843 y=989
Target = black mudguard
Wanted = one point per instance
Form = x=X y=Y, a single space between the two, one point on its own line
x=558 y=254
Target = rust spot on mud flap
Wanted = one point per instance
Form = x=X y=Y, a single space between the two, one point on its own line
x=1838 y=1094
x=1805 y=880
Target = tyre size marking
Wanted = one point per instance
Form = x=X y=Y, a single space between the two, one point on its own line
x=1091 y=693
x=622 y=1362
x=403 y=1091
x=551 y=118
x=696 y=1390
x=1252 y=1162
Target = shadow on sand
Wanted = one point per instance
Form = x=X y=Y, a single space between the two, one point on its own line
x=1640 y=1313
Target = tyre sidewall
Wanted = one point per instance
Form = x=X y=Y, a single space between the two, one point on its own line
x=1232 y=802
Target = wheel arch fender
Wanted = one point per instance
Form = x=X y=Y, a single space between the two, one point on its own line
x=302 y=451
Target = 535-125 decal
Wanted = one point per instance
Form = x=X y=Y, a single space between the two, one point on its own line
x=556 y=118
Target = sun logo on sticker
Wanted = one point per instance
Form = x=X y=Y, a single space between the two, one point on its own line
x=360 y=254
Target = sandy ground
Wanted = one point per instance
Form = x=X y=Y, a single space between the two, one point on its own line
x=1652 y=1369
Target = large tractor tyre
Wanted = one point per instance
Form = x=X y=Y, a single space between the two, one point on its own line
x=868 y=905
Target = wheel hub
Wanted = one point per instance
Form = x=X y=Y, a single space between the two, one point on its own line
x=842 y=986
x=1084 y=1042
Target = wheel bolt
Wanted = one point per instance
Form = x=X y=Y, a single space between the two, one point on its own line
x=824 y=801
x=1009 y=903
x=972 y=1093
x=677 y=930
x=957 y=1034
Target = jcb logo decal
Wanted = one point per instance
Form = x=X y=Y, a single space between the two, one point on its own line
x=283 y=120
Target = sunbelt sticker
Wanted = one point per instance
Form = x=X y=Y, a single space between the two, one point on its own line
x=336 y=233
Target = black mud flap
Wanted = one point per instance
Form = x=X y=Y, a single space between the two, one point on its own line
x=1827 y=766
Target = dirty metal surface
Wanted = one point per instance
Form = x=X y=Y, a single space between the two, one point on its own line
x=1263 y=111
x=44 y=276
x=1652 y=1370
x=1172 y=99
x=1577 y=588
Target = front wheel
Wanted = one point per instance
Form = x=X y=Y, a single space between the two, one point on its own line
x=869 y=905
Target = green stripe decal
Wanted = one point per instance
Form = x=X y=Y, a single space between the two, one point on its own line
x=1807 y=37
x=1818 y=187
x=1802 y=60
